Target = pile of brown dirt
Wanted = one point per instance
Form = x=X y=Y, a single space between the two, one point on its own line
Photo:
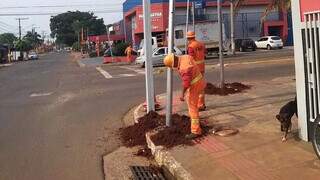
x=144 y=152
x=230 y=88
x=135 y=135
x=167 y=136
x=175 y=135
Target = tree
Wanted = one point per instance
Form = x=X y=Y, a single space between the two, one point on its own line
x=23 y=45
x=65 y=27
x=33 y=38
x=273 y=4
x=8 y=39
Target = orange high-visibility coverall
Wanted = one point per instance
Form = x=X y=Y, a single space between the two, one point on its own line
x=194 y=81
x=197 y=50
x=128 y=52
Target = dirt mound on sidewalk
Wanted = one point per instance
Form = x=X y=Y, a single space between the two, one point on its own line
x=135 y=135
x=175 y=135
x=167 y=136
x=230 y=88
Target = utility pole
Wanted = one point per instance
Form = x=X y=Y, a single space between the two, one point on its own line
x=148 y=55
x=109 y=43
x=193 y=16
x=187 y=27
x=20 y=19
x=169 y=70
x=220 y=45
x=232 y=26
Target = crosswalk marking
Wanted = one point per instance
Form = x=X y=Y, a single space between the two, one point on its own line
x=104 y=73
x=139 y=71
x=126 y=75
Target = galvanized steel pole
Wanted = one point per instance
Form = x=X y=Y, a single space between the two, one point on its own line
x=148 y=55
x=232 y=26
x=220 y=46
x=187 y=27
x=169 y=70
x=193 y=16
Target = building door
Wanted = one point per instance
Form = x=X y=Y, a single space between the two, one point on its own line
x=274 y=31
x=311 y=45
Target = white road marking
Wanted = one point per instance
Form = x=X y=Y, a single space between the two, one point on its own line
x=104 y=73
x=125 y=75
x=139 y=71
x=40 y=94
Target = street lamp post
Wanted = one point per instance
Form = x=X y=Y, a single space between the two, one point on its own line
x=169 y=70
x=220 y=45
x=148 y=55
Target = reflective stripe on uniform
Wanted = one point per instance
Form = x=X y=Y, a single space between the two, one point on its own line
x=196 y=79
x=200 y=62
x=195 y=122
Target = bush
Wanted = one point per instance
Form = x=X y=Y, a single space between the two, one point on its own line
x=76 y=46
x=93 y=54
x=119 y=49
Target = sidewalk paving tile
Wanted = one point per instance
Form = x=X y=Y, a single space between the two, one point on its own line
x=256 y=152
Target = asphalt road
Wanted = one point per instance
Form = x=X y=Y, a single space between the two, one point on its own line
x=57 y=120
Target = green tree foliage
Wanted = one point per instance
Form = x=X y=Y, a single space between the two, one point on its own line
x=33 y=38
x=23 y=45
x=8 y=39
x=76 y=46
x=66 y=26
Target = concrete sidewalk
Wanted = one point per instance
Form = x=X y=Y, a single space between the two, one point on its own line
x=256 y=152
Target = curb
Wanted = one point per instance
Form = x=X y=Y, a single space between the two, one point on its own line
x=116 y=64
x=161 y=155
x=164 y=158
x=251 y=62
x=5 y=65
x=136 y=113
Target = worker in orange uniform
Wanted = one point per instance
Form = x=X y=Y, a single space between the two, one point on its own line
x=197 y=50
x=128 y=52
x=193 y=84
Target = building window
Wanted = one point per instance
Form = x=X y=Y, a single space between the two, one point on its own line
x=179 y=34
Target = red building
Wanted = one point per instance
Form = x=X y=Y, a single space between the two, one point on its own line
x=247 y=21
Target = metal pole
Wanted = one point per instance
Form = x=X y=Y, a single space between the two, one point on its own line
x=187 y=27
x=193 y=18
x=220 y=46
x=148 y=55
x=169 y=70
x=232 y=26
x=108 y=34
x=19 y=28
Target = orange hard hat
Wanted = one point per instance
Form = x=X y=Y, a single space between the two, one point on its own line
x=191 y=34
x=168 y=60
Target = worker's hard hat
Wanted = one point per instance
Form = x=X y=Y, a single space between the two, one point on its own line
x=168 y=60
x=191 y=34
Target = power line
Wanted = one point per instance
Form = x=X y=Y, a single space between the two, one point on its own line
x=53 y=13
x=60 y=6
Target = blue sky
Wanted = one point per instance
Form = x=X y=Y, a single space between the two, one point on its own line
x=111 y=12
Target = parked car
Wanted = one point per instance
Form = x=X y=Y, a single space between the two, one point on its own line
x=33 y=56
x=157 y=56
x=269 y=42
x=244 y=44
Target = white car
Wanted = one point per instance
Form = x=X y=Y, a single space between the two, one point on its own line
x=269 y=42
x=33 y=56
x=157 y=56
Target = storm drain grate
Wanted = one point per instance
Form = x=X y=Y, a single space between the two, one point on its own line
x=146 y=172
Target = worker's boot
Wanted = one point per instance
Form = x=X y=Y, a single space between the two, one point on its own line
x=192 y=136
